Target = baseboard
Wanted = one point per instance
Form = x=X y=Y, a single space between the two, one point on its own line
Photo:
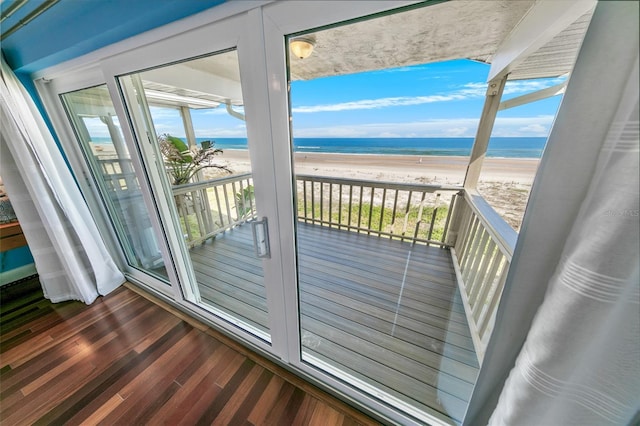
x=16 y=274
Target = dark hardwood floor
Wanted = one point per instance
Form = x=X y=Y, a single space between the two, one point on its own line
x=126 y=360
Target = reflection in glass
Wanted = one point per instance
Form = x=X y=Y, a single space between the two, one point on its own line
x=96 y=125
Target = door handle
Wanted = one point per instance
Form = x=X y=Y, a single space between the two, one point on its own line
x=260 y=229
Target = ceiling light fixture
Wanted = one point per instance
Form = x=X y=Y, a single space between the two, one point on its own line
x=302 y=47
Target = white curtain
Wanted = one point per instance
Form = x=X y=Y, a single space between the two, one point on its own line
x=580 y=364
x=70 y=256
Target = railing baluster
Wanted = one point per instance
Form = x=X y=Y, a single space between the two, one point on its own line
x=235 y=200
x=477 y=257
x=473 y=248
x=478 y=298
x=373 y=190
x=220 y=216
x=225 y=192
x=406 y=216
x=185 y=216
x=384 y=199
x=452 y=203
x=198 y=211
x=433 y=216
x=360 y=210
x=313 y=202
x=321 y=202
x=340 y=208
x=489 y=313
x=206 y=207
x=304 y=194
x=330 y=202
x=393 y=215
x=478 y=273
x=473 y=228
x=419 y=217
x=252 y=195
x=242 y=202
x=350 y=206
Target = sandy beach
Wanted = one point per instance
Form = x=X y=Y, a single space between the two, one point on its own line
x=400 y=168
x=504 y=182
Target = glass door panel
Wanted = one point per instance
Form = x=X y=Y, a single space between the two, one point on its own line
x=98 y=131
x=379 y=303
x=192 y=114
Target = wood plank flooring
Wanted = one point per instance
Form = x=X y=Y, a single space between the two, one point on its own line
x=383 y=312
x=126 y=360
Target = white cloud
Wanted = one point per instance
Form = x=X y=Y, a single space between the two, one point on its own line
x=239 y=131
x=467 y=91
x=390 y=135
x=535 y=129
x=457 y=131
x=378 y=103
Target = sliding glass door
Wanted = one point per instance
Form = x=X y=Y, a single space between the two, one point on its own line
x=338 y=274
x=192 y=113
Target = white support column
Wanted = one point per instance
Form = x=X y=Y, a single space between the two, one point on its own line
x=481 y=142
x=185 y=113
x=549 y=92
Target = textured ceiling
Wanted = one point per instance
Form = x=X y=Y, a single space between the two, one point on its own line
x=449 y=30
x=440 y=32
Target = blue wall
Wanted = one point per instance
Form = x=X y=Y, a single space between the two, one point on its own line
x=15 y=258
x=72 y=28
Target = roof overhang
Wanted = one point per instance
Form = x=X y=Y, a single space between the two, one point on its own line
x=525 y=39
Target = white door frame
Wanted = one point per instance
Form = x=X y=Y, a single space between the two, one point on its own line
x=279 y=20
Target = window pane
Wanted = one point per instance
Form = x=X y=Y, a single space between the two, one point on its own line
x=98 y=131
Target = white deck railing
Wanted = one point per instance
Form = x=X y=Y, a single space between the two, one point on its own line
x=482 y=255
x=408 y=212
x=210 y=207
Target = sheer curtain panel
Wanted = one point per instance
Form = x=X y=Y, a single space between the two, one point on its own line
x=580 y=364
x=70 y=256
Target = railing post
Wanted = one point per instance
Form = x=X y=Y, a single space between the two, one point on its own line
x=479 y=150
x=458 y=206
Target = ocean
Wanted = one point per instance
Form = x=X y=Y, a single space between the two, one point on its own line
x=498 y=147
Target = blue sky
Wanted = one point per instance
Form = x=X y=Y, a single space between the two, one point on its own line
x=433 y=100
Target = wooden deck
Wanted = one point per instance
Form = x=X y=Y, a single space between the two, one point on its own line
x=383 y=312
